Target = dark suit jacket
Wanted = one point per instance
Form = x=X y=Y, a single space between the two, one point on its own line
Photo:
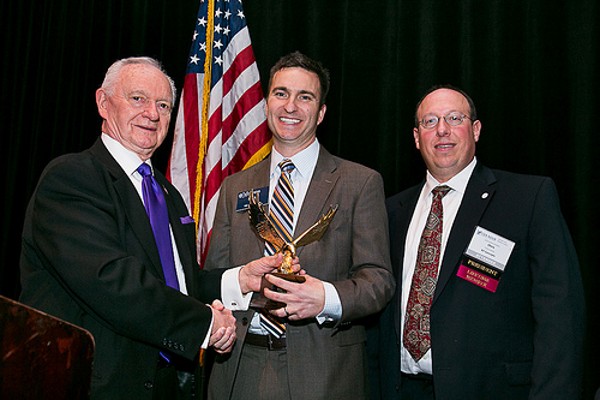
x=324 y=361
x=525 y=340
x=89 y=257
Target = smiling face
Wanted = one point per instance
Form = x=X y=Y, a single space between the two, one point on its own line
x=136 y=109
x=293 y=111
x=446 y=149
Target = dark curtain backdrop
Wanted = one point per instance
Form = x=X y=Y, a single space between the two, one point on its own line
x=530 y=65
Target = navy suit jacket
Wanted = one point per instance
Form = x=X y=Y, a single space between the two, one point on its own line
x=89 y=257
x=522 y=342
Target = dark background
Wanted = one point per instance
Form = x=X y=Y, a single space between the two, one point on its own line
x=530 y=65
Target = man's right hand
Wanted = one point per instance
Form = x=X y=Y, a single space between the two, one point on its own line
x=222 y=336
x=251 y=274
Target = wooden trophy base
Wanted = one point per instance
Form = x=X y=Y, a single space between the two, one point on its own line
x=290 y=277
x=259 y=301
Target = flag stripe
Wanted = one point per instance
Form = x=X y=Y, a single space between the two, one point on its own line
x=193 y=86
x=220 y=128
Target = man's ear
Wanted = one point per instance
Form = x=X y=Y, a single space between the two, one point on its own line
x=321 y=114
x=416 y=137
x=476 y=130
x=102 y=102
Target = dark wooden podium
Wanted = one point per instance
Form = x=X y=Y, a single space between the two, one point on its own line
x=42 y=357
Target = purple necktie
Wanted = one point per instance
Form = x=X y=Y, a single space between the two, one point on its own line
x=156 y=208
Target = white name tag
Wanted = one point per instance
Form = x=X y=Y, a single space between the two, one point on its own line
x=490 y=248
x=485 y=259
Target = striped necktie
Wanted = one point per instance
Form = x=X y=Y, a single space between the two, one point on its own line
x=281 y=210
x=281 y=215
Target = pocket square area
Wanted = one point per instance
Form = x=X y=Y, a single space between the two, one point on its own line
x=186 y=220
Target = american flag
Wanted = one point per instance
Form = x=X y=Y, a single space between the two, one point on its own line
x=221 y=125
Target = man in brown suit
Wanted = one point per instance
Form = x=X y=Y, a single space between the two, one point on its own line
x=322 y=353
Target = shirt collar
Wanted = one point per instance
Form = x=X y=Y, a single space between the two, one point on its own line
x=304 y=161
x=458 y=182
x=126 y=158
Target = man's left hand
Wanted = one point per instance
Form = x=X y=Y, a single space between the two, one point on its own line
x=303 y=300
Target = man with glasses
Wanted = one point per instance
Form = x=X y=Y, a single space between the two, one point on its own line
x=489 y=302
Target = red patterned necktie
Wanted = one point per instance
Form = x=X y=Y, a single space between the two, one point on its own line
x=416 y=336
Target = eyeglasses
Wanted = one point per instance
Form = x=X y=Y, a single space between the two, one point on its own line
x=455 y=118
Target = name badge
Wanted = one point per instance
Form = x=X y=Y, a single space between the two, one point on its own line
x=485 y=259
x=243 y=201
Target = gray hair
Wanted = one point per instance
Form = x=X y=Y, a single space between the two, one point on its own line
x=113 y=72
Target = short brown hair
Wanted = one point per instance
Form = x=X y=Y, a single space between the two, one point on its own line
x=299 y=60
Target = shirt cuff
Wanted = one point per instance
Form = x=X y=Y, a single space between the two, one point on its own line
x=207 y=338
x=332 y=311
x=231 y=292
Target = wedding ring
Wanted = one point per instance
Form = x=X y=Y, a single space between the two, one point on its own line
x=287 y=314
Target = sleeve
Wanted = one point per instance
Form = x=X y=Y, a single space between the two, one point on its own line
x=557 y=300
x=371 y=283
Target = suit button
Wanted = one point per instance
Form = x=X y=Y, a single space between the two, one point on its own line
x=244 y=321
x=148 y=385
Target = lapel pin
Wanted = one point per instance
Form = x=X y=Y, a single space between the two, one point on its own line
x=485 y=195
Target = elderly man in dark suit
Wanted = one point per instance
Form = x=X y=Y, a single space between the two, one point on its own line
x=489 y=302
x=321 y=353
x=92 y=256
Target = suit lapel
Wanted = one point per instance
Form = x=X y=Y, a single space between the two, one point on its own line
x=258 y=179
x=133 y=206
x=322 y=183
x=400 y=215
x=477 y=197
x=186 y=246
x=140 y=224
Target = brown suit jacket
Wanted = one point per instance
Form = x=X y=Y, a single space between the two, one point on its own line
x=326 y=361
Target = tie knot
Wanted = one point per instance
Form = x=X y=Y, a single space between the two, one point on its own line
x=144 y=170
x=441 y=191
x=287 y=166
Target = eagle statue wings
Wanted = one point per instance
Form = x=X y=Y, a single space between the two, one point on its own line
x=262 y=223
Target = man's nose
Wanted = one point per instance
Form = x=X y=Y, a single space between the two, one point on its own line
x=290 y=104
x=442 y=128
x=151 y=111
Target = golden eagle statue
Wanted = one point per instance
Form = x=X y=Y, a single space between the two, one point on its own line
x=261 y=222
